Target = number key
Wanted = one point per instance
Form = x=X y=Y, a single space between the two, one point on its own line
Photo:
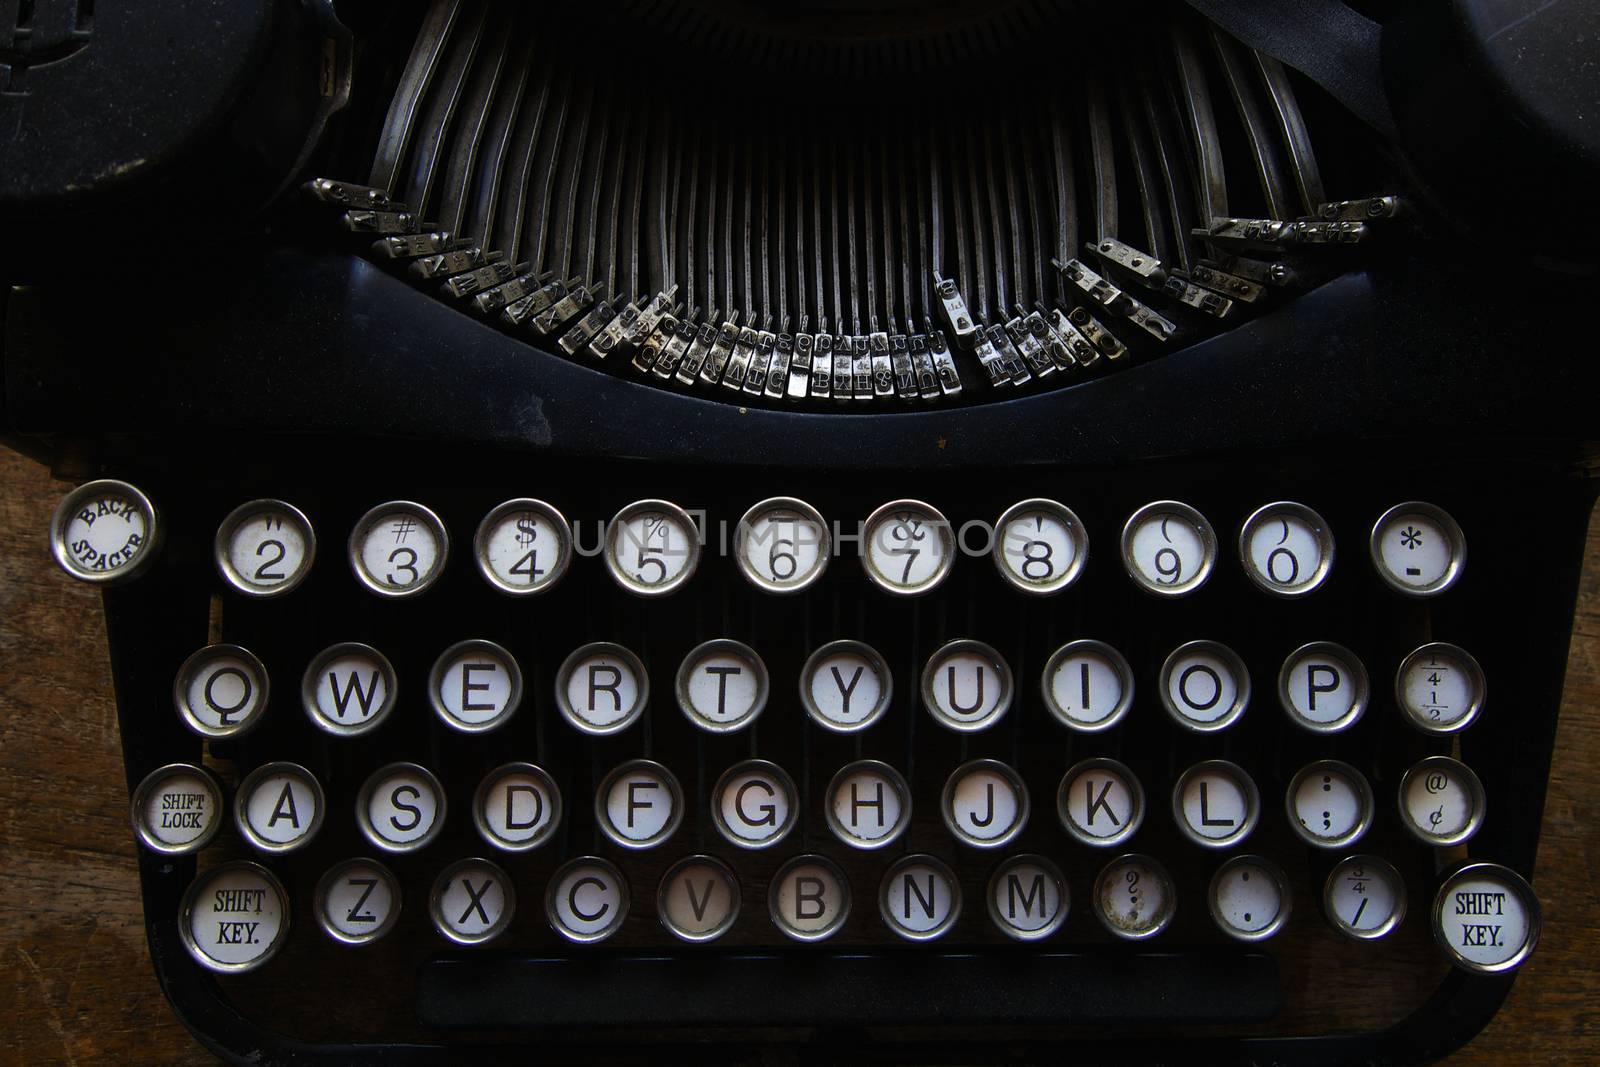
x=1040 y=546
x=265 y=548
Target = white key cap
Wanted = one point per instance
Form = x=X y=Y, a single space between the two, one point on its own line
x=1134 y=897
x=221 y=691
x=1330 y=804
x=517 y=807
x=472 y=902
x=279 y=807
x=357 y=901
x=587 y=900
x=1028 y=898
x=966 y=686
x=401 y=807
x=177 y=809
x=1168 y=548
x=920 y=898
x=1364 y=898
x=985 y=803
x=234 y=917
x=1088 y=685
x=1100 y=802
x=1323 y=687
x=754 y=804
x=523 y=547
x=1040 y=546
x=652 y=547
x=782 y=545
x=722 y=686
x=265 y=548
x=1441 y=688
x=639 y=804
x=908 y=547
x=399 y=549
x=845 y=686
x=1286 y=549
x=1215 y=803
x=1250 y=898
x=1204 y=686
x=1441 y=801
x=698 y=899
x=1418 y=549
x=809 y=898
x=105 y=532
x=1486 y=918
x=348 y=690
x=869 y=804
x=475 y=686
x=602 y=688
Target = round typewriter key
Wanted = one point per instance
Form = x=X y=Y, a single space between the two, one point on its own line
x=1441 y=801
x=1249 y=898
x=639 y=804
x=1440 y=687
x=348 y=690
x=722 y=686
x=1204 y=686
x=920 y=898
x=782 y=545
x=357 y=901
x=1134 y=897
x=401 y=807
x=1100 y=802
x=279 y=807
x=845 y=686
x=399 y=549
x=517 y=807
x=1028 y=898
x=1040 y=546
x=234 y=917
x=809 y=898
x=475 y=686
x=1286 y=549
x=523 y=547
x=1323 y=687
x=698 y=899
x=265 y=548
x=869 y=804
x=221 y=691
x=177 y=809
x=472 y=902
x=587 y=900
x=1330 y=804
x=105 y=532
x=966 y=686
x=754 y=804
x=910 y=547
x=602 y=688
x=1418 y=549
x=652 y=547
x=1088 y=685
x=985 y=803
x=1486 y=918
x=1169 y=548
x=1364 y=898
x=1215 y=804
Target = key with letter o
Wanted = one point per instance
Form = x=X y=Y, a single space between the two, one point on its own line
x=1204 y=686
x=809 y=898
x=586 y=900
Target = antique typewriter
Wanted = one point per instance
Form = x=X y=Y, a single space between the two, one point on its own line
x=871 y=530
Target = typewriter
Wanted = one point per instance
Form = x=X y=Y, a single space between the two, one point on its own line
x=913 y=532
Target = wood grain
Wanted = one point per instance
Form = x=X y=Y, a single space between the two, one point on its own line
x=77 y=985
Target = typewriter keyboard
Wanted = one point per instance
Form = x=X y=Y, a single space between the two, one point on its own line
x=1224 y=716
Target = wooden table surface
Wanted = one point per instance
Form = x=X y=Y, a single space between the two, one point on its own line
x=76 y=985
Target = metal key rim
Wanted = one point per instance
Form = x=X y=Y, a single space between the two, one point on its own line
x=738 y=650
x=325 y=887
x=947 y=802
x=441 y=666
x=1247 y=787
x=677 y=516
x=1470 y=783
x=1136 y=803
x=1397 y=883
x=1278 y=878
x=896 y=782
x=1208 y=548
x=1452 y=532
x=364 y=801
x=1468 y=662
x=553 y=914
x=441 y=885
x=1513 y=881
x=192 y=895
x=1119 y=666
x=564 y=679
x=1360 y=685
x=486 y=528
x=155 y=532
x=423 y=515
x=148 y=785
x=480 y=800
x=785 y=783
x=1319 y=529
x=935 y=519
x=741 y=547
x=247 y=787
x=1169 y=895
x=982 y=651
x=310 y=681
x=734 y=904
x=1075 y=531
x=1063 y=890
x=1364 y=801
x=875 y=662
x=834 y=871
x=191 y=666
x=223 y=544
x=651 y=769
x=1243 y=689
x=919 y=859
